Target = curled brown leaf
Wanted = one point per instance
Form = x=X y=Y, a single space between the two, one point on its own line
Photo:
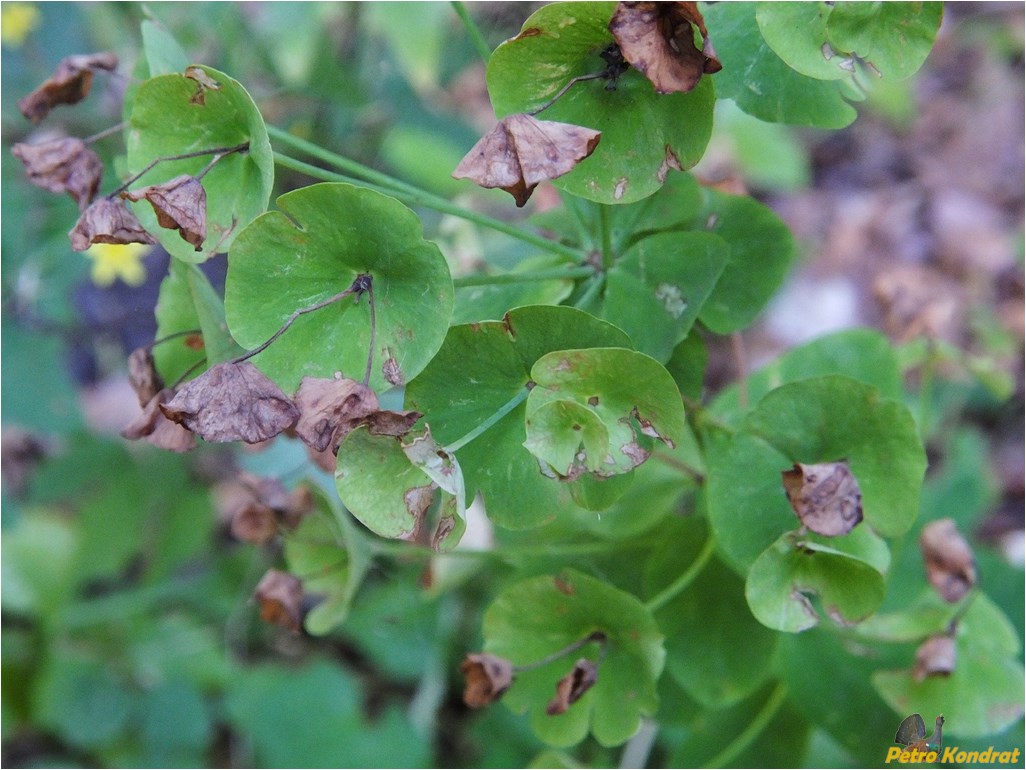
x=143 y=376
x=280 y=596
x=62 y=165
x=571 y=687
x=935 y=657
x=107 y=221
x=156 y=429
x=69 y=84
x=950 y=564
x=825 y=496
x=232 y=402
x=658 y=39
x=488 y=677
x=180 y=204
x=521 y=152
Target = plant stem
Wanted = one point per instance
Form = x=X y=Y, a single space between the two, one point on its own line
x=605 y=223
x=737 y=347
x=105 y=133
x=926 y=390
x=501 y=412
x=414 y=197
x=172 y=336
x=373 y=330
x=683 y=467
x=596 y=282
x=572 y=82
x=473 y=30
x=556 y=273
x=595 y=636
x=684 y=579
x=219 y=151
x=751 y=732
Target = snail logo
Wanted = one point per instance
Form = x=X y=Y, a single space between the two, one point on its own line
x=915 y=748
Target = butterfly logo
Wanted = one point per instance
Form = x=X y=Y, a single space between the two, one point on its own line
x=912 y=733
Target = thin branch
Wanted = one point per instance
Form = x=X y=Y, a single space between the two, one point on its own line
x=220 y=151
x=373 y=328
x=594 y=636
x=172 y=336
x=354 y=289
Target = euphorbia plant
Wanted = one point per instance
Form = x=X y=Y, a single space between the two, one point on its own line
x=682 y=545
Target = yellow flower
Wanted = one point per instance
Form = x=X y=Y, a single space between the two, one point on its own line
x=113 y=261
x=17 y=20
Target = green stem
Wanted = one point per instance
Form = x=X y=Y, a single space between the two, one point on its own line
x=755 y=727
x=501 y=412
x=473 y=30
x=608 y=255
x=411 y=196
x=926 y=390
x=596 y=282
x=571 y=273
x=685 y=578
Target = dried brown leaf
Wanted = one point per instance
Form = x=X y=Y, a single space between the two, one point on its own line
x=825 y=496
x=156 y=429
x=330 y=408
x=143 y=376
x=255 y=523
x=62 y=165
x=69 y=84
x=232 y=402
x=180 y=204
x=571 y=687
x=488 y=677
x=658 y=39
x=950 y=564
x=107 y=221
x=280 y=595
x=935 y=657
x=521 y=152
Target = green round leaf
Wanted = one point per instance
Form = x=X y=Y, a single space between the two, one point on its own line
x=539 y=616
x=984 y=693
x=644 y=134
x=391 y=490
x=656 y=290
x=832 y=418
x=314 y=248
x=894 y=38
x=480 y=370
x=167 y=119
x=761 y=249
x=760 y=82
x=782 y=578
x=862 y=354
x=590 y=408
x=797 y=33
x=823 y=419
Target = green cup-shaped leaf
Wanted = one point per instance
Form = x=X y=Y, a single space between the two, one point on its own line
x=323 y=237
x=822 y=419
x=983 y=694
x=590 y=409
x=540 y=616
x=782 y=578
x=480 y=370
x=762 y=84
x=761 y=248
x=656 y=291
x=644 y=134
x=168 y=119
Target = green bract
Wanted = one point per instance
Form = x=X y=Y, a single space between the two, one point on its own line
x=983 y=694
x=187 y=302
x=761 y=84
x=589 y=410
x=323 y=237
x=818 y=39
x=823 y=419
x=660 y=285
x=541 y=615
x=478 y=382
x=786 y=575
x=389 y=484
x=644 y=134
x=169 y=119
